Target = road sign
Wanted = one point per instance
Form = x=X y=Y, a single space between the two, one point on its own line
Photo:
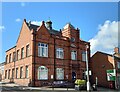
x=111 y=75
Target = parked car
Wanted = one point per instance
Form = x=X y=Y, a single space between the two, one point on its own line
x=63 y=84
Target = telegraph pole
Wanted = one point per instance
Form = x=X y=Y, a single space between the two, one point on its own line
x=88 y=82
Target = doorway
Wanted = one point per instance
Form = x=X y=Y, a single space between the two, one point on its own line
x=73 y=76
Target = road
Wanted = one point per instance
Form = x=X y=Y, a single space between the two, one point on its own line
x=17 y=88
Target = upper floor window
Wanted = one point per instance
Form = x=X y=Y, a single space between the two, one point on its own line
x=59 y=53
x=14 y=55
x=6 y=58
x=18 y=53
x=22 y=52
x=83 y=56
x=27 y=50
x=10 y=58
x=42 y=50
x=5 y=74
x=118 y=64
x=74 y=55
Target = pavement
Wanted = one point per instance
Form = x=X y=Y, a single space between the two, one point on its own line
x=12 y=87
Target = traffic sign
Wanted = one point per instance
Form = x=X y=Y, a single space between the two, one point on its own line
x=111 y=75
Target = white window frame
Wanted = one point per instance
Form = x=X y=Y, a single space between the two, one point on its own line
x=14 y=56
x=10 y=57
x=42 y=50
x=16 y=73
x=83 y=56
x=59 y=73
x=74 y=55
x=21 y=72
x=18 y=54
x=27 y=72
x=42 y=73
x=27 y=50
x=22 y=53
x=59 y=53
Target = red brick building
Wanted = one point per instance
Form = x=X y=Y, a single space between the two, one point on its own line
x=100 y=63
x=42 y=54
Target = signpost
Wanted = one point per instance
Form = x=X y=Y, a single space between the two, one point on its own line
x=111 y=75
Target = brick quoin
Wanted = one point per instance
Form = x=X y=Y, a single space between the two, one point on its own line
x=68 y=39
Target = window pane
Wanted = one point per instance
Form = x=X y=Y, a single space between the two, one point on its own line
x=43 y=50
x=73 y=55
x=42 y=73
x=26 y=71
x=60 y=73
x=59 y=53
x=83 y=56
x=27 y=50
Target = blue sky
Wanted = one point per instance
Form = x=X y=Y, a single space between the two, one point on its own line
x=88 y=17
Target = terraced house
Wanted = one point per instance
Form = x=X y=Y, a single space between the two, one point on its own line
x=42 y=55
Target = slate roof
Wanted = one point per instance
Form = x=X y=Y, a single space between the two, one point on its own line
x=34 y=27
x=53 y=31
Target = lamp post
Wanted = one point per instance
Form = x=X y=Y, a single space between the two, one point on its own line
x=114 y=71
x=88 y=83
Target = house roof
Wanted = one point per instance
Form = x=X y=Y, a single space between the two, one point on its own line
x=102 y=53
x=34 y=27
x=10 y=48
x=106 y=54
x=53 y=31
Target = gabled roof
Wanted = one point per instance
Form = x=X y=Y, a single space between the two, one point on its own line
x=32 y=26
x=102 y=53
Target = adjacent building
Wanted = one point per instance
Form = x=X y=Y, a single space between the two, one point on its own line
x=42 y=55
x=106 y=69
x=1 y=70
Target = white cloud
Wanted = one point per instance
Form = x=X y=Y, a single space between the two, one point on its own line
x=2 y=27
x=106 y=38
x=22 y=4
x=18 y=20
x=36 y=23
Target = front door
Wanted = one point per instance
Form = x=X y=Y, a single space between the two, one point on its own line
x=73 y=76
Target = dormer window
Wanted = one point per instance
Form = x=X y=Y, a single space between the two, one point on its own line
x=72 y=39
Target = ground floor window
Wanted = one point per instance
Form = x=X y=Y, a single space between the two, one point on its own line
x=42 y=73
x=59 y=73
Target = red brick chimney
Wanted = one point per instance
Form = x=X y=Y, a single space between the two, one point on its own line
x=116 y=50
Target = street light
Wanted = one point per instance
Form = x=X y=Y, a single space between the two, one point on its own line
x=88 y=83
x=114 y=71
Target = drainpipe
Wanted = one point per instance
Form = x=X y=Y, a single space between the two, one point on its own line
x=34 y=41
x=54 y=60
x=114 y=67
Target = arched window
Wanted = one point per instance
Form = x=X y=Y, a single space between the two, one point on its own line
x=42 y=73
